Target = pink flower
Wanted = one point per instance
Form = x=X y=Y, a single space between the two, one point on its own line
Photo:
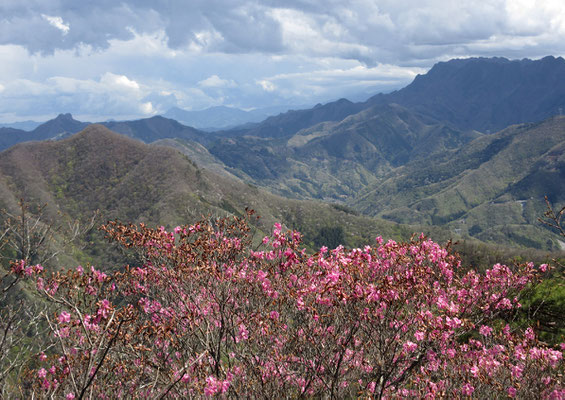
x=511 y=391
x=64 y=317
x=543 y=267
x=274 y=315
x=419 y=335
x=211 y=386
x=104 y=308
x=243 y=333
x=42 y=373
x=70 y=396
x=546 y=380
x=410 y=346
x=485 y=330
x=517 y=371
x=42 y=356
x=467 y=389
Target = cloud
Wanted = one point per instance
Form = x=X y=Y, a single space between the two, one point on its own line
x=111 y=95
x=267 y=85
x=214 y=81
x=147 y=108
x=57 y=22
x=119 y=82
x=371 y=32
x=110 y=58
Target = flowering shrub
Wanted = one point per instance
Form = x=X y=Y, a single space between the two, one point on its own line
x=205 y=314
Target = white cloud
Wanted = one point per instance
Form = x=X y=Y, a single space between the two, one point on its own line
x=57 y=22
x=119 y=81
x=214 y=81
x=112 y=58
x=267 y=86
x=147 y=108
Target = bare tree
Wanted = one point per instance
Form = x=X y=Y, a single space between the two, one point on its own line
x=27 y=238
x=553 y=219
x=32 y=237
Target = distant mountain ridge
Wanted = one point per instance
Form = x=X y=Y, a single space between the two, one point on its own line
x=222 y=117
x=483 y=94
x=486 y=94
x=59 y=127
x=23 y=125
x=430 y=153
x=334 y=160
x=147 y=130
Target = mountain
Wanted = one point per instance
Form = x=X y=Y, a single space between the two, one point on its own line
x=335 y=160
x=492 y=188
x=294 y=120
x=132 y=181
x=155 y=128
x=59 y=127
x=23 y=125
x=147 y=130
x=11 y=136
x=221 y=117
x=486 y=94
x=482 y=94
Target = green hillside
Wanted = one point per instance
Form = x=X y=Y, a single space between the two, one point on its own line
x=131 y=181
x=493 y=188
x=335 y=160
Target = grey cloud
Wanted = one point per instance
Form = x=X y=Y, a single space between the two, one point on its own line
x=92 y=24
x=370 y=31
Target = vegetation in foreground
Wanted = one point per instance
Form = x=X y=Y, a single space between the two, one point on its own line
x=200 y=312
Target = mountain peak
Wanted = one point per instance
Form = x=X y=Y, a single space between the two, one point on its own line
x=65 y=117
x=486 y=94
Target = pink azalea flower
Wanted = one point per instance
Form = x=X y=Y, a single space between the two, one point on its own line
x=485 y=330
x=467 y=389
x=64 y=317
x=543 y=267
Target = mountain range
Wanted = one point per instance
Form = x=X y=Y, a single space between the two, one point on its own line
x=471 y=147
x=128 y=180
x=222 y=117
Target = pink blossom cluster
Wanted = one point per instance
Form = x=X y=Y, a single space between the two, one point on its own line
x=206 y=314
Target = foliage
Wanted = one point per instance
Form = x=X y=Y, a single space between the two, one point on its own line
x=330 y=236
x=204 y=314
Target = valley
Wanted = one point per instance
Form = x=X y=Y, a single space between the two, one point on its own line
x=411 y=164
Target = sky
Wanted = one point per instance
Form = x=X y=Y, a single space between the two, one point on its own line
x=102 y=59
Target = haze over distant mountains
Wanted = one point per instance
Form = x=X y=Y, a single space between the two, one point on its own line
x=222 y=117
x=471 y=146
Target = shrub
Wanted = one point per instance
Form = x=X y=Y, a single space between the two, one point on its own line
x=207 y=315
